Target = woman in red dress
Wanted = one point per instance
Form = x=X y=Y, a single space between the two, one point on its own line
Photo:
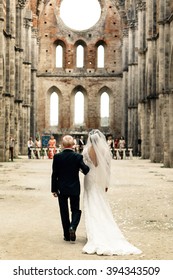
x=51 y=147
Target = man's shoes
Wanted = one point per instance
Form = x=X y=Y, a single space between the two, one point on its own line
x=72 y=234
x=66 y=239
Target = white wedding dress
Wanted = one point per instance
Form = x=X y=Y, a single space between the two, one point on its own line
x=103 y=235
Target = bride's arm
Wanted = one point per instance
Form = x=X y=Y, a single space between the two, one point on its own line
x=92 y=155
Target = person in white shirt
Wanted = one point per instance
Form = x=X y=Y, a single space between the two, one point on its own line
x=30 y=145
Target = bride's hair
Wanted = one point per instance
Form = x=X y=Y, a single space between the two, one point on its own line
x=95 y=135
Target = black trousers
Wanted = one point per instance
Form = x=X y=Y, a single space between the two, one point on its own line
x=11 y=153
x=29 y=152
x=67 y=219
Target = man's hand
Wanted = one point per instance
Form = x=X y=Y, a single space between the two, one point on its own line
x=55 y=194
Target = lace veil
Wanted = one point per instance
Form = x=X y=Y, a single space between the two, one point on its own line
x=103 y=155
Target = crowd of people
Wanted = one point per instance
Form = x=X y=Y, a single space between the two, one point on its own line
x=36 y=149
x=116 y=144
x=52 y=147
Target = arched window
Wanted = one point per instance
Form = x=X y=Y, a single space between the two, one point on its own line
x=79 y=108
x=80 y=56
x=100 y=56
x=104 y=109
x=54 y=109
x=59 y=56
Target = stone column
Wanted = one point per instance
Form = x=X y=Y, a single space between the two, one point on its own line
x=125 y=86
x=149 y=131
x=171 y=93
x=171 y=128
x=2 y=107
x=166 y=116
x=146 y=106
x=19 y=53
x=161 y=55
x=130 y=93
x=7 y=71
x=27 y=80
x=163 y=80
x=12 y=70
x=19 y=56
x=133 y=87
x=33 y=116
x=141 y=8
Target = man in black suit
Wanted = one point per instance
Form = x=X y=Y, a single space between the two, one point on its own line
x=81 y=144
x=66 y=185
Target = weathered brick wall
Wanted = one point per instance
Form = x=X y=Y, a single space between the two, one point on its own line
x=140 y=88
x=92 y=87
x=107 y=30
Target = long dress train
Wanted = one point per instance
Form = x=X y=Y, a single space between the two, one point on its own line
x=103 y=235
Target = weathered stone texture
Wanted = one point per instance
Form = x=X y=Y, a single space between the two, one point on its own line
x=91 y=79
x=138 y=73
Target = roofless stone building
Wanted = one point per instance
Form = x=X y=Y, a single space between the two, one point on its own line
x=127 y=58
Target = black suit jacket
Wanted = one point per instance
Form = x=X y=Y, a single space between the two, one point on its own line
x=65 y=172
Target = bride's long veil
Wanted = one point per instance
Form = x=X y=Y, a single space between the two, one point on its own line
x=103 y=155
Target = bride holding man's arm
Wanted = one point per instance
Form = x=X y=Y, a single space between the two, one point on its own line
x=103 y=235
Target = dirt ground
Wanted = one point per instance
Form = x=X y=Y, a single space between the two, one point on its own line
x=140 y=195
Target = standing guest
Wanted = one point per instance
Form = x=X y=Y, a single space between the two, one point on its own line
x=30 y=145
x=122 y=143
x=116 y=143
x=81 y=144
x=66 y=185
x=11 y=147
x=111 y=144
x=37 y=147
x=75 y=144
x=116 y=146
x=121 y=146
x=51 y=147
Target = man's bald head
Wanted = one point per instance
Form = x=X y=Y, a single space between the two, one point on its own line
x=68 y=141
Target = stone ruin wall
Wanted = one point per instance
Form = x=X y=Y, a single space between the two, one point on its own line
x=91 y=79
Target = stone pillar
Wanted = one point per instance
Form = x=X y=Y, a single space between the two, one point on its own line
x=171 y=94
x=125 y=86
x=163 y=80
x=7 y=72
x=12 y=72
x=141 y=8
x=27 y=80
x=132 y=87
x=150 y=87
x=130 y=97
x=33 y=116
x=151 y=96
x=2 y=118
x=171 y=127
x=166 y=117
x=19 y=54
x=142 y=54
x=161 y=58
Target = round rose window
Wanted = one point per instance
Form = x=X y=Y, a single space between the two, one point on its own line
x=80 y=14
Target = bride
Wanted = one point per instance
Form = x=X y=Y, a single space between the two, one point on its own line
x=103 y=235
